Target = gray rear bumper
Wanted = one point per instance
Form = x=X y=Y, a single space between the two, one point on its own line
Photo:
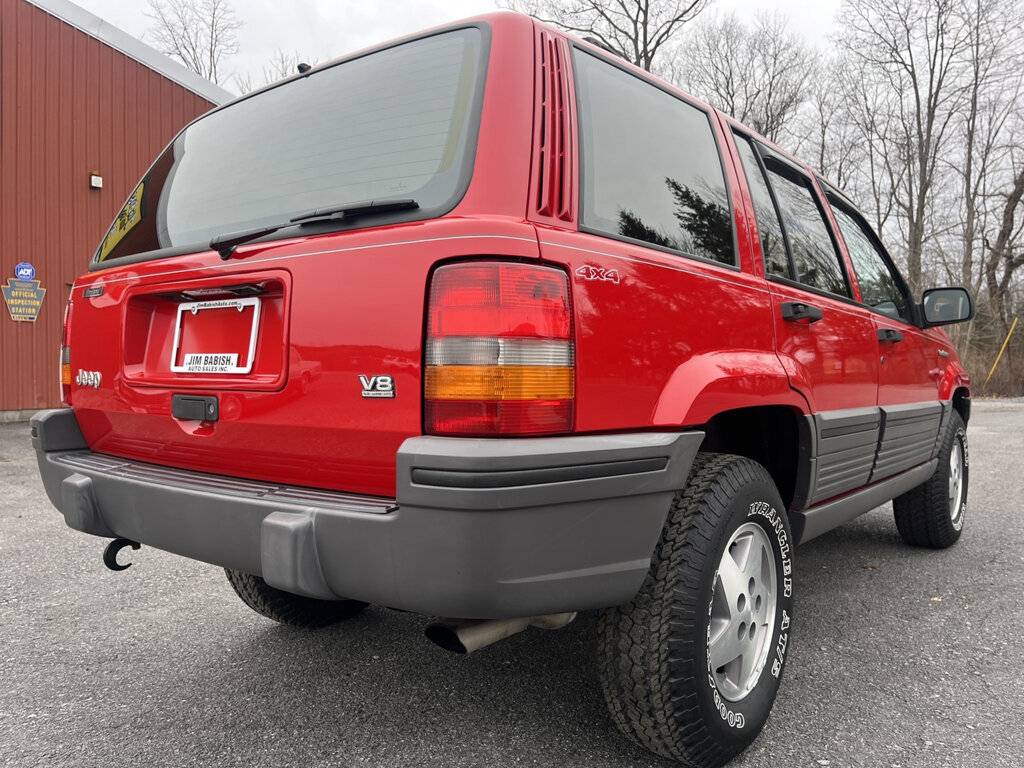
x=480 y=528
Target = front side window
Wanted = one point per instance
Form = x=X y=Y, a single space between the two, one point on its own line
x=651 y=168
x=814 y=254
x=879 y=288
x=397 y=123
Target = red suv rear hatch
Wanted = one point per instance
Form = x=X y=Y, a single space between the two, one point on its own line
x=310 y=342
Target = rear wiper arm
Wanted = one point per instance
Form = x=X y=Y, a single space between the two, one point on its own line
x=225 y=244
x=352 y=210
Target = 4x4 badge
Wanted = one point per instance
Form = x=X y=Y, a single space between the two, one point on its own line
x=589 y=272
x=377 y=386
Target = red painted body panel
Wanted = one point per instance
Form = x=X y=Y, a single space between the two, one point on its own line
x=356 y=308
x=833 y=362
x=669 y=342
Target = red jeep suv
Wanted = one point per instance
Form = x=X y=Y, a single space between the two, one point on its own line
x=490 y=325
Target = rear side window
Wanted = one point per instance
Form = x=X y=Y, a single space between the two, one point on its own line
x=650 y=165
x=879 y=288
x=397 y=123
x=814 y=254
x=773 y=243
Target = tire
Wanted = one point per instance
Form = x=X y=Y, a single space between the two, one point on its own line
x=928 y=516
x=286 y=608
x=655 y=652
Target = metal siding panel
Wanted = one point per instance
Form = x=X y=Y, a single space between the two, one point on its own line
x=50 y=241
x=8 y=74
x=68 y=104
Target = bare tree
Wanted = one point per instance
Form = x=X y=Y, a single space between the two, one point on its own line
x=994 y=87
x=200 y=33
x=760 y=73
x=635 y=29
x=918 y=51
x=280 y=66
x=1005 y=254
x=823 y=130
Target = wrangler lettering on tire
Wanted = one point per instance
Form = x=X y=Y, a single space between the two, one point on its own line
x=684 y=673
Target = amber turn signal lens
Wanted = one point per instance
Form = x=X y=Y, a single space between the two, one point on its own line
x=497 y=382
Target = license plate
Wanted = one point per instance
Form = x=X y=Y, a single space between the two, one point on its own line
x=216 y=336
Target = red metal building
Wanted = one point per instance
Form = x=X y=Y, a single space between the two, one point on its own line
x=84 y=109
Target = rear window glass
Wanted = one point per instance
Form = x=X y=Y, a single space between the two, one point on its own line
x=398 y=123
x=651 y=169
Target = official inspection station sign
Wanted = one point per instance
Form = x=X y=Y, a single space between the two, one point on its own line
x=23 y=294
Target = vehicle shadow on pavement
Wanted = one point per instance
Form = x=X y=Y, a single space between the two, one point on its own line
x=375 y=690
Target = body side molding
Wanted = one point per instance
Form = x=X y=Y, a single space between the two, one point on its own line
x=820 y=519
x=847 y=441
x=909 y=434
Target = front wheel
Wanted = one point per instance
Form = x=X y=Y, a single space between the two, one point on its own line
x=691 y=666
x=932 y=515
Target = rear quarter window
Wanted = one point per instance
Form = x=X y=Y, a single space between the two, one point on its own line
x=651 y=171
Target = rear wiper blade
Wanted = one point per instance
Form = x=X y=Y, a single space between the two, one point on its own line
x=351 y=210
x=225 y=244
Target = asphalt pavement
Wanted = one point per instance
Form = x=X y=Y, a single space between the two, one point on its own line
x=899 y=657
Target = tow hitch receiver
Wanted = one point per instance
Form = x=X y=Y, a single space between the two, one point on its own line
x=111 y=550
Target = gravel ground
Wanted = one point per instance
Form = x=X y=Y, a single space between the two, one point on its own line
x=900 y=657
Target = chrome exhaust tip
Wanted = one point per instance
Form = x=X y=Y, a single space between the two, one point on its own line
x=468 y=636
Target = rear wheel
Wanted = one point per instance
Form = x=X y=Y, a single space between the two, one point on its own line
x=691 y=666
x=932 y=515
x=287 y=608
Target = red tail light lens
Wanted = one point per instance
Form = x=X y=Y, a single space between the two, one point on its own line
x=64 y=361
x=500 y=358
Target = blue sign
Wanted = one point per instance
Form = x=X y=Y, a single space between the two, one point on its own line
x=25 y=271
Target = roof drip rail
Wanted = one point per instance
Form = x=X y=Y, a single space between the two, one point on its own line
x=605 y=47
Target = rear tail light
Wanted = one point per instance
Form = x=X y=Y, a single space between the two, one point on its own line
x=64 y=361
x=500 y=358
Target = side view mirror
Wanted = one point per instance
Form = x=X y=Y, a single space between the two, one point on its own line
x=944 y=306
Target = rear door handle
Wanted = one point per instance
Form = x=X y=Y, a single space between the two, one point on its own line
x=889 y=335
x=795 y=311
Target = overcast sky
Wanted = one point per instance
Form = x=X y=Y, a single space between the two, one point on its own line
x=324 y=29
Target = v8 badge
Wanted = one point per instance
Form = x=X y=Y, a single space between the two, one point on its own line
x=377 y=386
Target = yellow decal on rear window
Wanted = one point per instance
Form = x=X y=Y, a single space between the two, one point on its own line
x=130 y=215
